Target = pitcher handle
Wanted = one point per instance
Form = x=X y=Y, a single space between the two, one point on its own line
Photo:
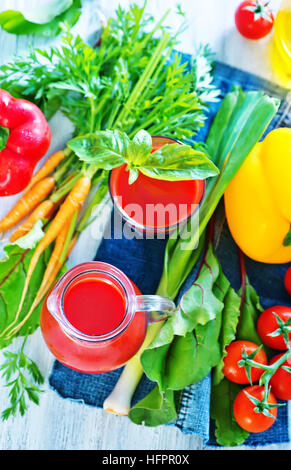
x=159 y=308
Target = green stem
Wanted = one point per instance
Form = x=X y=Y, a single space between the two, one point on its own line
x=69 y=238
x=143 y=81
x=64 y=190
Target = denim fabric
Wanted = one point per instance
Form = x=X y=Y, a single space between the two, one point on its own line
x=142 y=261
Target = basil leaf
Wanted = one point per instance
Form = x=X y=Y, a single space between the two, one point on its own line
x=106 y=149
x=139 y=148
x=174 y=162
x=47 y=23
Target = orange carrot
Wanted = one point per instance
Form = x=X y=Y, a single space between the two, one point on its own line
x=49 y=165
x=27 y=203
x=72 y=203
x=42 y=293
x=43 y=211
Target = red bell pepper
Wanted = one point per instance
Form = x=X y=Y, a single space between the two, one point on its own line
x=28 y=141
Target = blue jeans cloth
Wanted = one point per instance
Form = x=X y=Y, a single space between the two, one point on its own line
x=142 y=261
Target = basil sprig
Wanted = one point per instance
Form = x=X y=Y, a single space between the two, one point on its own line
x=172 y=162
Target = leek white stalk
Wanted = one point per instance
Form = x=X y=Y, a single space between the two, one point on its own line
x=119 y=400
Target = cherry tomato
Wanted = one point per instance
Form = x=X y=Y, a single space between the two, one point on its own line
x=267 y=323
x=254 y=19
x=244 y=410
x=231 y=369
x=281 y=380
x=287 y=280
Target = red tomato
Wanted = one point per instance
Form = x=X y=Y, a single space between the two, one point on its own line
x=287 y=280
x=231 y=369
x=267 y=323
x=244 y=410
x=254 y=19
x=281 y=380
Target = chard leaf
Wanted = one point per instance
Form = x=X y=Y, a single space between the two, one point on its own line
x=229 y=322
x=46 y=22
x=155 y=409
x=13 y=270
x=228 y=432
x=249 y=315
x=187 y=347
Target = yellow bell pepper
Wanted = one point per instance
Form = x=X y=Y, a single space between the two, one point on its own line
x=258 y=200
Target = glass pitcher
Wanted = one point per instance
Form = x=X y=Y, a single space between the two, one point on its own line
x=281 y=50
x=95 y=319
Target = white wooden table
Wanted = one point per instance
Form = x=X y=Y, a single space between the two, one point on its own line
x=62 y=424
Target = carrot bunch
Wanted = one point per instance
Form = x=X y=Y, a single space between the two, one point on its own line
x=38 y=202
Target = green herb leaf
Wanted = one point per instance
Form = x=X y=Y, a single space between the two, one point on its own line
x=22 y=369
x=106 y=149
x=44 y=21
x=174 y=162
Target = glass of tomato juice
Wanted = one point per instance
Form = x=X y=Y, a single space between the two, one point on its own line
x=151 y=205
x=95 y=319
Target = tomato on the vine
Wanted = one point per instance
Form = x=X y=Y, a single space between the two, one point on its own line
x=254 y=19
x=269 y=324
x=246 y=413
x=233 y=371
x=281 y=380
x=287 y=280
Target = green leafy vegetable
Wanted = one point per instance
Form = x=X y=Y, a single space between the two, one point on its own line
x=45 y=21
x=23 y=378
x=13 y=269
x=155 y=409
x=227 y=432
x=132 y=81
x=172 y=162
x=238 y=125
x=31 y=239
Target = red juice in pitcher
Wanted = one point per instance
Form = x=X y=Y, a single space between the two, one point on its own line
x=95 y=319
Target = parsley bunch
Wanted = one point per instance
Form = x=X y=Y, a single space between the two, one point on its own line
x=133 y=80
x=23 y=378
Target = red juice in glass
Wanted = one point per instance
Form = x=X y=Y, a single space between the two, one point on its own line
x=151 y=204
x=95 y=319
